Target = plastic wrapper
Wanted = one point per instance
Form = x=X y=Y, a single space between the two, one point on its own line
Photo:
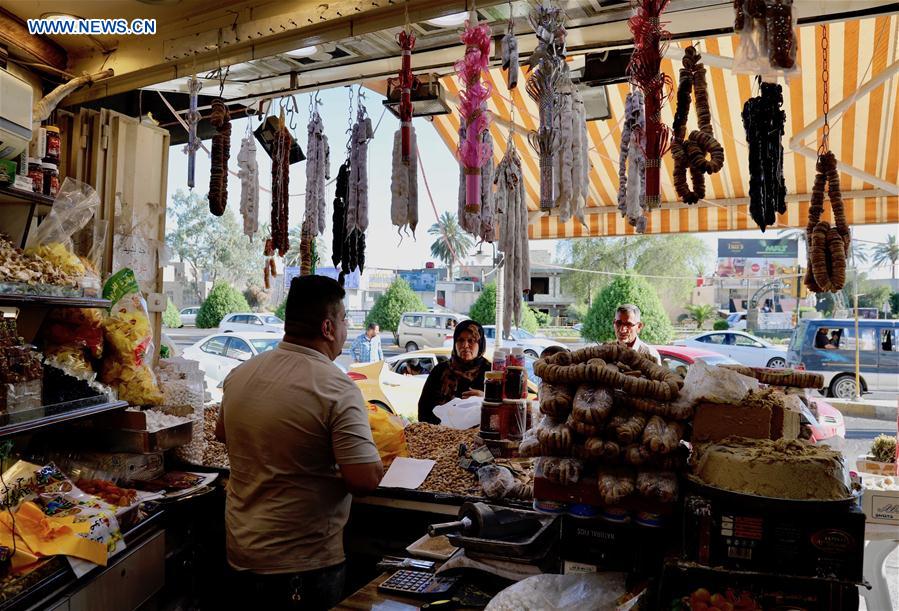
x=555 y=437
x=582 y=428
x=592 y=404
x=73 y=340
x=615 y=485
x=127 y=367
x=574 y=592
x=555 y=400
x=715 y=384
x=564 y=471
x=768 y=38
x=657 y=486
x=604 y=450
x=530 y=445
x=74 y=209
x=388 y=433
x=496 y=482
x=21 y=396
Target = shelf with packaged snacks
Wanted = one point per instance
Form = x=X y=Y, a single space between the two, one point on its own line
x=13 y=423
x=49 y=300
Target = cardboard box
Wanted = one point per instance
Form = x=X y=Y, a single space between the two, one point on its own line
x=790 y=541
x=684 y=583
x=609 y=546
x=881 y=506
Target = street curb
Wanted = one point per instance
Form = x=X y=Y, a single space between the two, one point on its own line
x=865 y=410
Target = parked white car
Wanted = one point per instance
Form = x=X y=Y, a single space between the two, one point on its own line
x=517 y=338
x=251 y=322
x=220 y=353
x=189 y=316
x=742 y=347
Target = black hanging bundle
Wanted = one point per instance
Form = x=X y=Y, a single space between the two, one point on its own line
x=764 y=120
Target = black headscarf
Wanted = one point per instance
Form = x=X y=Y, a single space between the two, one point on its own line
x=455 y=376
x=469 y=325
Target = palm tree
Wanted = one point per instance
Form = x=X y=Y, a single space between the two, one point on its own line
x=700 y=313
x=452 y=242
x=886 y=252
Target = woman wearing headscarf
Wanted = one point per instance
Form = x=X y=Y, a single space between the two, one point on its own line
x=462 y=376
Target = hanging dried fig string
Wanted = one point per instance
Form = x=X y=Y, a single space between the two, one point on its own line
x=691 y=152
x=828 y=246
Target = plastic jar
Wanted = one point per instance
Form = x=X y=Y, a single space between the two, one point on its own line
x=499 y=359
x=493 y=386
x=36 y=174
x=51 y=178
x=53 y=145
x=516 y=383
x=491 y=414
x=513 y=420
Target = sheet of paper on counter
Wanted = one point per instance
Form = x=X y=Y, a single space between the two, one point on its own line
x=407 y=473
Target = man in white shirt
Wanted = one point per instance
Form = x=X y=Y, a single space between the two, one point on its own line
x=627 y=331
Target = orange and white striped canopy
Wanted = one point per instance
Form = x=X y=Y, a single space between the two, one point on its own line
x=865 y=136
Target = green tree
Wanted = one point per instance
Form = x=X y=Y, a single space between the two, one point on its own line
x=214 y=247
x=390 y=306
x=721 y=325
x=700 y=313
x=281 y=310
x=451 y=239
x=171 y=318
x=223 y=299
x=894 y=305
x=886 y=253
x=543 y=319
x=874 y=296
x=628 y=289
x=483 y=310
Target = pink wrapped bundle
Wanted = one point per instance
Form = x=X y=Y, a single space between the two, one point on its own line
x=473 y=153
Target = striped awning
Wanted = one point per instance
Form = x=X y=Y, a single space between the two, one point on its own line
x=864 y=78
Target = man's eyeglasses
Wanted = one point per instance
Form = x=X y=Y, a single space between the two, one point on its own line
x=622 y=323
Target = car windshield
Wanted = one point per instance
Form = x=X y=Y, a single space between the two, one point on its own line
x=264 y=345
x=273 y=320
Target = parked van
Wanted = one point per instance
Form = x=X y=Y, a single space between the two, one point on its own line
x=426 y=329
x=827 y=346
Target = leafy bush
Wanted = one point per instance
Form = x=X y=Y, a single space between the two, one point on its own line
x=720 y=325
x=171 y=318
x=222 y=300
x=483 y=310
x=884 y=448
x=543 y=319
x=281 y=309
x=576 y=312
x=700 y=313
x=598 y=326
x=894 y=305
x=390 y=306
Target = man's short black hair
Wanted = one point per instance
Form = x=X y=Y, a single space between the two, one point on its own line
x=311 y=300
x=373 y=325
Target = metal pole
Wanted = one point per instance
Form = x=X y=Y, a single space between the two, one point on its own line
x=497 y=341
x=858 y=386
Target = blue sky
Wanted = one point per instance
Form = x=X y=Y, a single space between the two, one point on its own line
x=384 y=247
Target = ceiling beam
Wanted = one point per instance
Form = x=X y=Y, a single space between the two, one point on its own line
x=141 y=62
x=35 y=49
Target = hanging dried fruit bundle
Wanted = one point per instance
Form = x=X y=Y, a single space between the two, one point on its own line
x=645 y=71
x=480 y=223
x=193 y=117
x=473 y=152
x=632 y=163
x=828 y=246
x=764 y=121
x=318 y=155
x=357 y=193
x=510 y=55
x=404 y=186
x=248 y=171
x=512 y=212
x=280 y=184
x=406 y=41
x=572 y=163
x=690 y=151
x=221 y=146
x=547 y=68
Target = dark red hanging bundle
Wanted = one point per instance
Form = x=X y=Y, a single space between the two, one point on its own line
x=646 y=74
x=406 y=80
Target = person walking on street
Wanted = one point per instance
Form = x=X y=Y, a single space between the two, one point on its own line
x=299 y=443
x=627 y=331
x=367 y=347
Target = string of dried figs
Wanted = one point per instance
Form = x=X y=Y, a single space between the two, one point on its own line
x=828 y=245
x=221 y=152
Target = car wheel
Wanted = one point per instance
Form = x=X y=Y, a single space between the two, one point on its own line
x=532 y=354
x=411 y=347
x=777 y=363
x=843 y=387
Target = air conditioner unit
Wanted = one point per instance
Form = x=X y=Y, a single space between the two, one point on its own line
x=15 y=115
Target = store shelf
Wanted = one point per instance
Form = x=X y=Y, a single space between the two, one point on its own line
x=30 y=420
x=11 y=299
x=17 y=196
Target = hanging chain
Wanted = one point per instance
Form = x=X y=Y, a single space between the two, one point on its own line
x=825 y=81
x=349 y=119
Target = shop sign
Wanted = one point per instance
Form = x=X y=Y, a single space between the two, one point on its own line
x=421 y=280
x=784 y=248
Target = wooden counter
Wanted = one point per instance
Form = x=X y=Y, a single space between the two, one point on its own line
x=369 y=597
